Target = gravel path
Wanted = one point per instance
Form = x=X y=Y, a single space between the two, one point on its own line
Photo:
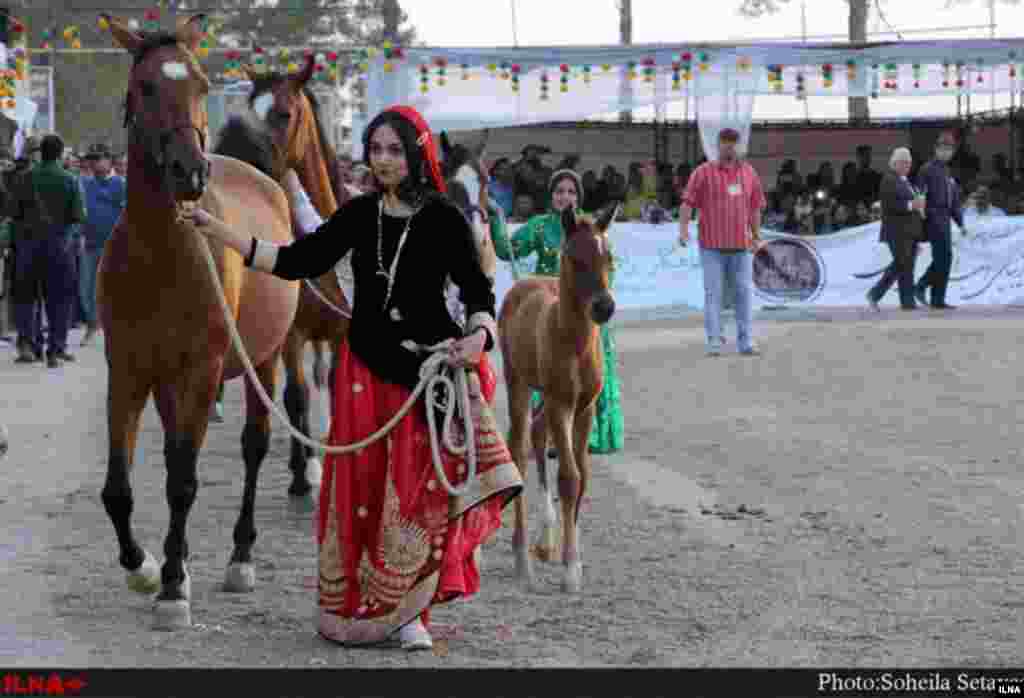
x=852 y=498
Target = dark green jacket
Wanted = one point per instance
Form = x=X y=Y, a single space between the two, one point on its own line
x=47 y=200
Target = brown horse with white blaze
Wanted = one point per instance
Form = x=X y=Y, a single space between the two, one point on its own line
x=288 y=109
x=166 y=334
x=550 y=342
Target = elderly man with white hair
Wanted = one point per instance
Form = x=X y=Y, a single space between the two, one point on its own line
x=902 y=230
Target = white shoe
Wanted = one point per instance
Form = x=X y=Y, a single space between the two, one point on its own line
x=415 y=636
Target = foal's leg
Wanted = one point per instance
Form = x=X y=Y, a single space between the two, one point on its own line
x=547 y=544
x=519 y=418
x=560 y=426
x=241 y=575
x=306 y=470
x=127 y=392
x=582 y=425
x=194 y=393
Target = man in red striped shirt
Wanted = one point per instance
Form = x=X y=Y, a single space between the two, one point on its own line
x=728 y=194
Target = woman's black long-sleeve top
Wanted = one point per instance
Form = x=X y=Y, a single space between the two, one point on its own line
x=439 y=244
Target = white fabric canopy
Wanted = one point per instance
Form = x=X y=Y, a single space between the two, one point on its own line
x=476 y=88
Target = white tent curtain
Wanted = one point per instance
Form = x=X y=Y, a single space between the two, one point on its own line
x=459 y=89
x=728 y=104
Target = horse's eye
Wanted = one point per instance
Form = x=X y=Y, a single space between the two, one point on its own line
x=147 y=89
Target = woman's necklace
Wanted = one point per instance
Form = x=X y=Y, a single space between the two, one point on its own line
x=389 y=274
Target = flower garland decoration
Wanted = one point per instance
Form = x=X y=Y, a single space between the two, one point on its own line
x=916 y=69
x=676 y=67
x=892 y=75
x=851 y=70
x=72 y=36
x=945 y=73
x=586 y=74
x=775 y=77
x=544 y=86
x=424 y=78
x=981 y=69
x=960 y=75
x=1013 y=68
x=631 y=68
x=801 y=88
x=705 y=60
x=826 y=75
x=442 y=68
x=874 y=81
x=515 y=69
x=649 y=68
x=564 y=69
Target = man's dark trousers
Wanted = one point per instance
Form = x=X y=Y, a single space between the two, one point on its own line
x=47 y=260
x=901 y=272
x=939 y=233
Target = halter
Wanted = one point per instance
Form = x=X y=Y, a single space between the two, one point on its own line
x=161 y=138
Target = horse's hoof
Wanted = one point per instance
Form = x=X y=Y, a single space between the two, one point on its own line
x=240 y=577
x=547 y=545
x=172 y=615
x=572 y=582
x=314 y=472
x=146 y=579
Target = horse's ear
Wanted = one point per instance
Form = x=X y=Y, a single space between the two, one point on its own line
x=604 y=220
x=569 y=221
x=123 y=35
x=190 y=32
x=298 y=80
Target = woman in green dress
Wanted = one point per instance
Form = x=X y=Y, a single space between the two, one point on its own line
x=542 y=235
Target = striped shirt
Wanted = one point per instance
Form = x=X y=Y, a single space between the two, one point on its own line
x=729 y=198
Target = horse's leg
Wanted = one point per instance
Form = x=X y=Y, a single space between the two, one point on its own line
x=547 y=544
x=560 y=426
x=306 y=470
x=127 y=392
x=241 y=575
x=582 y=426
x=194 y=393
x=519 y=418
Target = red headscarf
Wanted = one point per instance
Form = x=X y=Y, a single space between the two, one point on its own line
x=425 y=141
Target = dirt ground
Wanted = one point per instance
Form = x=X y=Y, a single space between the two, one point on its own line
x=851 y=498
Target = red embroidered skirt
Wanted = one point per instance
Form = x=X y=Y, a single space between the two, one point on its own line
x=392 y=541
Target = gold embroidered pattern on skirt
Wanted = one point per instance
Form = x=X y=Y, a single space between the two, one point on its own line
x=404 y=546
x=332 y=573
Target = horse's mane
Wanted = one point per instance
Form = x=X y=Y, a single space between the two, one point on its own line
x=266 y=81
x=246 y=141
x=455 y=158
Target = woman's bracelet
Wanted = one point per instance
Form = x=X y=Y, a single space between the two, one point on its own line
x=252 y=253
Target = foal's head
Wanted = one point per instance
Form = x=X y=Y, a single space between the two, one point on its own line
x=284 y=105
x=587 y=261
x=165 y=108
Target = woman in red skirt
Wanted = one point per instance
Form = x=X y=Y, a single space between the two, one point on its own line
x=392 y=541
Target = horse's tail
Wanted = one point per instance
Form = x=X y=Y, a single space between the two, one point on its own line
x=244 y=139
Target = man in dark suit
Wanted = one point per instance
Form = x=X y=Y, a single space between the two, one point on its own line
x=902 y=209
x=943 y=205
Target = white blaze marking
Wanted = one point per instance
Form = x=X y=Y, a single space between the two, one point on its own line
x=262 y=105
x=175 y=71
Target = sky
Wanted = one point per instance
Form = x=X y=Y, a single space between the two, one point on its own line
x=477 y=23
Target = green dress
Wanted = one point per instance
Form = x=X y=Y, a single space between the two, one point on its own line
x=542 y=235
